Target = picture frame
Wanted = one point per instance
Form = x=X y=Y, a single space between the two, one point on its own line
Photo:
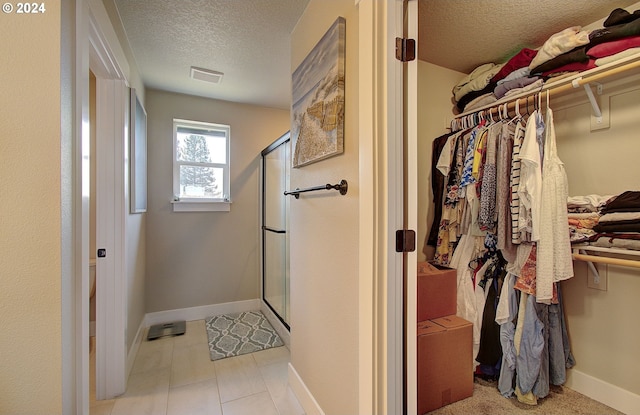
x=137 y=155
x=317 y=111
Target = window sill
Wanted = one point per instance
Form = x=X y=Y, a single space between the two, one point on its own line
x=200 y=206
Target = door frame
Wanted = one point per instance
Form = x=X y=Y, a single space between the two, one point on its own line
x=410 y=160
x=381 y=294
x=93 y=52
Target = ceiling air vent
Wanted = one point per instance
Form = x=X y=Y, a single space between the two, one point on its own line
x=206 y=75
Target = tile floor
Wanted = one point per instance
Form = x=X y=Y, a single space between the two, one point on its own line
x=174 y=376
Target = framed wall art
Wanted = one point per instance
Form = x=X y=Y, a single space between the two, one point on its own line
x=137 y=155
x=317 y=125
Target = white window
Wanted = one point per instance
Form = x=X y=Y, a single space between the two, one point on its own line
x=200 y=166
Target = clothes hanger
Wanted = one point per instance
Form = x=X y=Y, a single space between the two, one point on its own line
x=518 y=115
x=547 y=99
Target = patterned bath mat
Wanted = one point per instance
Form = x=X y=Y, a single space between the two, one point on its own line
x=240 y=333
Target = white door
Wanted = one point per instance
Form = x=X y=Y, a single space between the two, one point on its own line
x=110 y=238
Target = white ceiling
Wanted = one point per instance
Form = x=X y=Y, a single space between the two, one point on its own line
x=249 y=40
x=463 y=34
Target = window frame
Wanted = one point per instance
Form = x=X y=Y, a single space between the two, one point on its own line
x=201 y=204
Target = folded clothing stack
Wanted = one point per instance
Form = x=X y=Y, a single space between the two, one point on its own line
x=568 y=51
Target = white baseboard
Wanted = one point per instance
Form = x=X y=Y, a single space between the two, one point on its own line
x=133 y=350
x=200 y=312
x=611 y=395
x=276 y=324
x=306 y=399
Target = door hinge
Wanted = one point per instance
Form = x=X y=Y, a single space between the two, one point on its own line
x=405 y=240
x=405 y=49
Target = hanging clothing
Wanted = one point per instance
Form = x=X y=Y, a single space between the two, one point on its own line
x=467 y=249
x=554 y=247
x=506 y=318
x=530 y=187
x=490 y=352
x=437 y=185
x=516 y=235
x=504 y=228
x=487 y=214
x=503 y=191
x=448 y=230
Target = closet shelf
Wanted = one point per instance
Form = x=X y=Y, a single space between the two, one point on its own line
x=563 y=85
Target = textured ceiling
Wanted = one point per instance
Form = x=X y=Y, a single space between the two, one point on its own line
x=247 y=40
x=463 y=34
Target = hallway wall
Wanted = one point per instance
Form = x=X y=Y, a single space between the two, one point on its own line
x=30 y=215
x=203 y=258
x=325 y=238
x=434 y=92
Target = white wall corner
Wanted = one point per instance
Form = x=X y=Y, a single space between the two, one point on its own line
x=611 y=395
x=303 y=394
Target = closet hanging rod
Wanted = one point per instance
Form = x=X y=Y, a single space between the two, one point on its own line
x=607 y=260
x=342 y=187
x=563 y=85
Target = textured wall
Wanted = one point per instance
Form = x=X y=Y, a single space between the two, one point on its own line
x=202 y=258
x=30 y=246
x=603 y=162
x=324 y=239
x=461 y=35
x=434 y=92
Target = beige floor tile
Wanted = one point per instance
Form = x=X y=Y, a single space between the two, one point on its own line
x=276 y=379
x=175 y=375
x=195 y=333
x=191 y=364
x=99 y=408
x=271 y=356
x=260 y=403
x=146 y=394
x=195 y=399
x=238 y=377
x=153 y=355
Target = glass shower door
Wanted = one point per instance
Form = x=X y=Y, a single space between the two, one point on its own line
x=275 y=224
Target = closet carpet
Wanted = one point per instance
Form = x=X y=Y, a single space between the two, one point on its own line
x=486 y=400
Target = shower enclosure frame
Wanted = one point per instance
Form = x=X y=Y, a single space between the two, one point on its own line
x=267 y=230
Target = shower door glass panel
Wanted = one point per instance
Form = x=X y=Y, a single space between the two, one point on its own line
x=275 y=224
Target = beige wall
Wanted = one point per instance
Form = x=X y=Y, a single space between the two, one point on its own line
x=601 y=324
x=202 y=258
x=434 y=92
x=30 y=214
x=324 y=239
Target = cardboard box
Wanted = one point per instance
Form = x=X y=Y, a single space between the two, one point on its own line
x=436 y=291
x=445 y=362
